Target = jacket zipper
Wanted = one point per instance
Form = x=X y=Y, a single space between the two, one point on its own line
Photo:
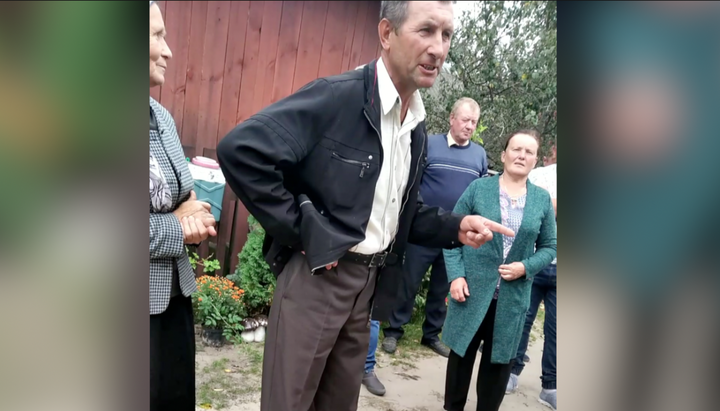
x=361 y=164
x=372 y=299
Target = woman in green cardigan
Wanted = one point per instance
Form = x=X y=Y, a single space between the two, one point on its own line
x=490 y=286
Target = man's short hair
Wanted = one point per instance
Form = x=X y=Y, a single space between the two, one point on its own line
x=465 y=100
x=396 y=11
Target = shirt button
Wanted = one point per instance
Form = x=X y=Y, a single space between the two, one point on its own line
x=369 y=157
x=393 y=200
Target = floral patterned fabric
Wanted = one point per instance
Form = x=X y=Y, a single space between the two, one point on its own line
x=160 y=195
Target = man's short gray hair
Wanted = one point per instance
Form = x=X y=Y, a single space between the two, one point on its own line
x=396 y=11
x=465 y=100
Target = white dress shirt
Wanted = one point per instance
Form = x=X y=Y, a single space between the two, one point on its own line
x=452 y=142
x=395 y=170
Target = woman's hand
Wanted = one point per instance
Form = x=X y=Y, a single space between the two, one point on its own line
x=190 y=207
x=511 y=272
x=208 y=220
x=459 y=290
x=194 y=231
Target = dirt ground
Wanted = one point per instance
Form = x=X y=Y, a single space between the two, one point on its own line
x=229 y=379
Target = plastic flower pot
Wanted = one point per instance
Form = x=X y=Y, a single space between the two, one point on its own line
x=212 y=337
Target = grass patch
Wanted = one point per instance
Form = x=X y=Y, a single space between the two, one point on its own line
x=217 y=387
x=253 y=355
x=232 y=376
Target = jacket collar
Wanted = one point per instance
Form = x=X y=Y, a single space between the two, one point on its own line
x=372 y=93
x=382 y=99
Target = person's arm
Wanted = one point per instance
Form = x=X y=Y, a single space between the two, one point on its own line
x=546 y=244
x=168 y=233
x=434 y=227
x=254 y=155
x=166 y=236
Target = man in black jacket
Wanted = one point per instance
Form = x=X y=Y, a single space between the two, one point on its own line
x=332 y=174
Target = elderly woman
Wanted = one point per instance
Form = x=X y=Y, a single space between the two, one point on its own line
x=176 y=219
x=490 y=286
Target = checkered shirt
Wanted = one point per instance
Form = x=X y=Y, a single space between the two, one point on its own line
x=167 y=249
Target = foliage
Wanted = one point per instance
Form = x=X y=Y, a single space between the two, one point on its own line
x=209 y=265
x=421 y=298
x=253 y=274
x=503 y=55
x=218 y=304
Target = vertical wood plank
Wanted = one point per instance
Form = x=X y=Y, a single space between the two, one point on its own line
x=350 y=18
x=372 y=39
x=336 y=28
x=250 y=61
x=359 y=36
x=240 y=232
x=292 y=17
x=268 y=51
x=203 y=251
x=225 y=226
x=177 y=23
x=233 y=67
x=194 y=71
x=212 y=74
x=311 y=37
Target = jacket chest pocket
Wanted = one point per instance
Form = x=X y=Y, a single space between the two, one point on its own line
x=350 y=173
x=362 y=165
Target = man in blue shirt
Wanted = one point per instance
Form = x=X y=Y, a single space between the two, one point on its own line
x=453 y=162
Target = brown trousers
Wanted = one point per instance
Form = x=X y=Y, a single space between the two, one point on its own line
x=317 y=338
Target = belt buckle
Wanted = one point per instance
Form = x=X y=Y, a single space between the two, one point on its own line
x=382 y=256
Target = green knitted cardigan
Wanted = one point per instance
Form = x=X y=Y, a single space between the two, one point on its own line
x=535 y=245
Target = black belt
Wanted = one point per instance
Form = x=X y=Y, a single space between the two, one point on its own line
x=372 y=260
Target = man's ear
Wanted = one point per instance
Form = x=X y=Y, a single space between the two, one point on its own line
x=385 y=30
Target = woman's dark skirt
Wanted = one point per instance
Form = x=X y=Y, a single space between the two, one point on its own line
x=172 y=357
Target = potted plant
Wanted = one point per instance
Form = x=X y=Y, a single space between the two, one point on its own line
x=218 y=308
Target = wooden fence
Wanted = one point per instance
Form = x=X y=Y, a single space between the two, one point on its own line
x=231 y=59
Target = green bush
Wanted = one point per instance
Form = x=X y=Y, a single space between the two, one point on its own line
x=421 y=298
x=253 y=275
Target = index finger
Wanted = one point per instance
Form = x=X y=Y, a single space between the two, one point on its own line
x=498 y=228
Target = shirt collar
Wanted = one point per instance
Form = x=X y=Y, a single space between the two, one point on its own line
x=389 y=95
x=452 y=142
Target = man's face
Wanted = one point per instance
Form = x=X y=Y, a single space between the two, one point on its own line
x=464 y=122
x=417 y=50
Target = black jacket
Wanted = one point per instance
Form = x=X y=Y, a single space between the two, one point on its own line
x=320 y=148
